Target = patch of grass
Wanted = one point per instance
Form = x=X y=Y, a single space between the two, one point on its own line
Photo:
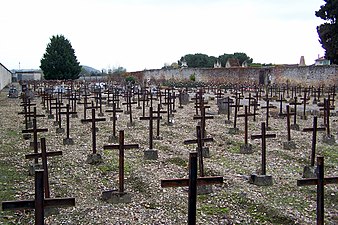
x=138 y=184
x=178 y=161
x=233 y=146
x=330 y=154
x=12 y=133
x=261 y=212
x=213 y=209
x=113 y=165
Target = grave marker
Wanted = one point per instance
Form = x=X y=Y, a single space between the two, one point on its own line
x=193 y=181
x=309 y=171
x=40 y=202
x=119 y=196
x=262 y=179
x=320 y=181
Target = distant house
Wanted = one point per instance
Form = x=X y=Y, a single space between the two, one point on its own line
x=19 y=75
x=321 y=61
x=5 y=76
x=232 y=62
x=217 y=64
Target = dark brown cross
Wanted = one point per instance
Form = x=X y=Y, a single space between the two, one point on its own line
x=305 y=102
x=43 y=155
x=159 y=111
x=40 y=202
x=114 y=118
x=228 y=101
x=35 y=130
x=193 y=181
x=263 y=136
x=200 y=142
x=150 y=118
x=236 y=106
x=246 y=116
x=295 y=103
x=121 y=147
x=267 y=114
x=326 y=110
x=129 y=104
x=94 y=120
x=57 y=105
x=27 y=112
x=67 y=113
x=203 y=119
x=320 y=181
x=281 y=100
x=288 y=114
x=314 y=130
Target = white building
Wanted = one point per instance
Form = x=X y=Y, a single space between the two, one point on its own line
x=5 y=76
x=19 y=75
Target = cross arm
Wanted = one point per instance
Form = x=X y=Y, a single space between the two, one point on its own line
x=32 y=130
x=259 y=136
x=187 y=142
x=311 y=129
x=314 y=181
x=118 y=146
x=185 y=182
x=59 y=202
x=39 y=155
x=15 y=205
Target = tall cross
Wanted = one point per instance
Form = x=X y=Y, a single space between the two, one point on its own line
x=320 y=181
x=314 y=130
x=121 y=147
x=150 y=118
x=263 y=136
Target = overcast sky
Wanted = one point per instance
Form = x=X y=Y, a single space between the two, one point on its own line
x=145 y=34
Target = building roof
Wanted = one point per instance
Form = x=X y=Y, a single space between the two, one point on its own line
x=5 y=67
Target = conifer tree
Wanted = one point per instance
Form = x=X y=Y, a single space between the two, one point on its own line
x=59 y=61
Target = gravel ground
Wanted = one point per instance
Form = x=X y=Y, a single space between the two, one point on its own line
x=233 y=202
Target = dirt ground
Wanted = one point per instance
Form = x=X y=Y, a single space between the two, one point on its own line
x=236 y=201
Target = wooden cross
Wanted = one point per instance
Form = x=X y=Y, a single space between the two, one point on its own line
x=40 y=202
x=158 y=120
x=236 y=106
x=67 y=113
x=43 y=155
x=203 y=117
x=121 y=147
x=27 y=111
x=267 y=115
x=129 y=107
x=263 y=136
x=150 y=118
x=35 y=132
x=200 y=142
x=228 y=101
x=326 y=110
x=305 y=99
x=320 y=181
x=314 y=130
x=295 y=103
x=94 y=120
x=281 y=100
x=193 y=181
x=114 y=117
x=246 y=115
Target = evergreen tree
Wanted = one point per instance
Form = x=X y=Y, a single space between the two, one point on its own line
x=328 y=32
x=59 y=61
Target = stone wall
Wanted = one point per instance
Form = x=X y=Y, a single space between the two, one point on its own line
x=5 y=76
x=310 y=75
